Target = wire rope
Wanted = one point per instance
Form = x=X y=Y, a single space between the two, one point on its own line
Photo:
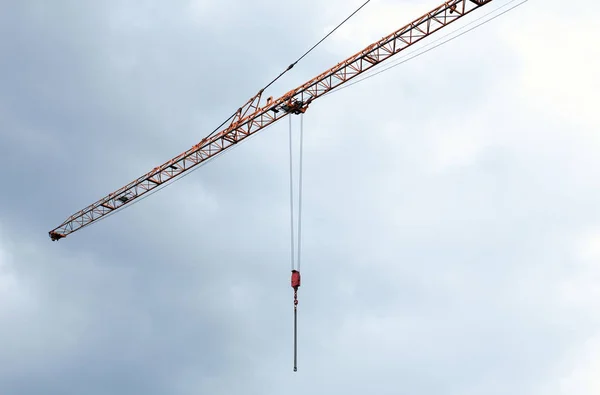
x=301 y=165
x=408 y=57
x=215 y=130
x=400 y=61
x=291 y=196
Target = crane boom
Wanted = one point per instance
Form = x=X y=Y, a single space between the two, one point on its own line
x=257 y=114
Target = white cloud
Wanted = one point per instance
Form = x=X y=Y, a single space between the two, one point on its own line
x=577 y=295
x=584 y=378
x=581 y=288
x=15 y=297
x=560 y=61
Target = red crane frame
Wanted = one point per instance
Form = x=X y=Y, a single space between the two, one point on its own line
x=255 y=115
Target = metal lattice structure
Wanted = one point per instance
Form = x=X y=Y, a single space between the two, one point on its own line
x=257 y=114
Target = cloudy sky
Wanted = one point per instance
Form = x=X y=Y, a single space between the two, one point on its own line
x=451 y=231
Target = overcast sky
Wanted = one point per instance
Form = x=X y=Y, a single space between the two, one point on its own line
x=451 y=230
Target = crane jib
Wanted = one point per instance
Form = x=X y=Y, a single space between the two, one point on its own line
x=253 y=117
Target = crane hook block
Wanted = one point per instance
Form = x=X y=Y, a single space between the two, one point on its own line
x=295 y=279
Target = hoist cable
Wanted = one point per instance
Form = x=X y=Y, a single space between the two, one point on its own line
x=300 y=191
x=296 y=268
x=291 y=196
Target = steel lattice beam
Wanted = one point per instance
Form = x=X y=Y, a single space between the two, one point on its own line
x=254 y=116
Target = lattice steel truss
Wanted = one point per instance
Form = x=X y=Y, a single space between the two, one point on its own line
x=258 y=114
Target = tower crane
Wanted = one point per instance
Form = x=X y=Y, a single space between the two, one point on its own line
x=257 y=114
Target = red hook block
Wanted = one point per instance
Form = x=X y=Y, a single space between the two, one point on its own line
x=295 y=279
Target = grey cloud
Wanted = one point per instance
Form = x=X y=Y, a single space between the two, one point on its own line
x=414 y=281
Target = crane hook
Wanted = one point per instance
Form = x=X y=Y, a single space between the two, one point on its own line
x=295 y=286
